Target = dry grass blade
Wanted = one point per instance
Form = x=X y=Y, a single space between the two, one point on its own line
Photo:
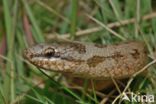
x=96 y=29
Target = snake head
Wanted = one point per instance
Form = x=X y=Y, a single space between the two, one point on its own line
x=55 y=56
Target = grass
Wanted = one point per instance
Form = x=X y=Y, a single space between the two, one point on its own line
x=24 y=23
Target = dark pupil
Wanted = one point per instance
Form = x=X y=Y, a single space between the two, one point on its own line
x=50 y=53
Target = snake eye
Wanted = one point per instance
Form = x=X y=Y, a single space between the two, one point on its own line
x=49 y=52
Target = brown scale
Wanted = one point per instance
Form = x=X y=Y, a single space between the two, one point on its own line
x=95 y=60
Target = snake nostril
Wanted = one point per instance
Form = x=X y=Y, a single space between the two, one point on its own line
x=27 y=54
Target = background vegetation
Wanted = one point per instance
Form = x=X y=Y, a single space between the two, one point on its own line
x=26 y=22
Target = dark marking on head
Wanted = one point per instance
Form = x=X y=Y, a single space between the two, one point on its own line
x=78 y=47
x=135 y=54
x=95 y=60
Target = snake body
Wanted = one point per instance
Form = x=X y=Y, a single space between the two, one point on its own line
x=87 y=60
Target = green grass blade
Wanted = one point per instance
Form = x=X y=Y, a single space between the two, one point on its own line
x=39 y=35
x=73 y=18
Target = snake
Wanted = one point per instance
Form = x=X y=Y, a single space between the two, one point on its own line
x=89 y=60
